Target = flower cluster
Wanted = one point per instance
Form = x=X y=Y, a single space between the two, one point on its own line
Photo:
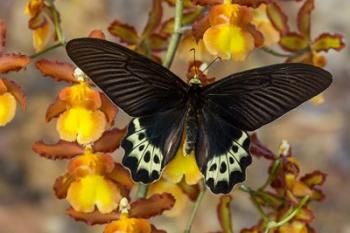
x=85 y=126
x=289 y=197
x=304 y=49
x=98 y=189
x=155 y=36
x=94 y=184
x=231 y=30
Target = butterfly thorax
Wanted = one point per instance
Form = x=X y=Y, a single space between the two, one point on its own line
x=194 y=105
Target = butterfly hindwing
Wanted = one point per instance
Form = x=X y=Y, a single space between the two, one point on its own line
x=222 y=152
x=253 y=98
x=151 y=143
x=135 y=83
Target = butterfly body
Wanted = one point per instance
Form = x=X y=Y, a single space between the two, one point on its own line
x=213 y=118
x=194 y=105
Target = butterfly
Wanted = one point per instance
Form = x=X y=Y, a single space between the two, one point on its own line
x=213 y=119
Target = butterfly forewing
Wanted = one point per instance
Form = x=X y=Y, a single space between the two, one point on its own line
x=135 y=83
x=253 y=98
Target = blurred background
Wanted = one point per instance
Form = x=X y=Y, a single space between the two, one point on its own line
x=319 y=135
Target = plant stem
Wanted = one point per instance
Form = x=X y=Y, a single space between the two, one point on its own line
x=195 y=209
x=141 y=191
x=255 y=202
x=46 y=50
x=288 y=216
x=56 y=22
x=175 y=37
x=276 y=164
x=275 y=53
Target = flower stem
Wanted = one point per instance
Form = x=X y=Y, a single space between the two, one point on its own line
x=255 y=202
x=56 y=22
x=175 y=37
x=195 y=209
x=288 y=216
x=57 y=45
x=276 y=164
x=141 y=190
x=275 y=53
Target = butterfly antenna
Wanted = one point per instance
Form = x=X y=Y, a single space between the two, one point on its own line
x=194 y=62
x=212 y=62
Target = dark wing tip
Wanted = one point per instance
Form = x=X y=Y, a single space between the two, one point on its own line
x=322 y=73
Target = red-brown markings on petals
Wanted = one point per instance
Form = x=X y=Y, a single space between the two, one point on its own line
x=13 y=62
x=93 y=218
x=59 y=71
x=16 y=91
x=62 y=184
x=2 y=35
x=55 y=109
x=60 y=150
x=109 y=141
x=97 y=34
x=155 y=205
x=260 y=150
x=108 y=108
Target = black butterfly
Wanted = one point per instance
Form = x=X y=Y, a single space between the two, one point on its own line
x=213 y=118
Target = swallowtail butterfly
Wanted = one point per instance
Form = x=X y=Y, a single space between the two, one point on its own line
x=214 y=118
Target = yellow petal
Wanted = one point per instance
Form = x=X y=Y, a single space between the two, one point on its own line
x=7 y=108
x=318 y=100
x=91 y=163
x=81 y=95
x=93 y=190
x=42 y=36
x=33 y=7
x=81 y=124
x=187 y=43
x=228 y=41
x=182 y=166
x=129 y=225
x=223 y=13
x=294 y=227
x=318 y=59
x=298 y=188
x=163 y=186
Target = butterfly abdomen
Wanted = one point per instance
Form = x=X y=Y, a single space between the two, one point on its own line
x=191 y=130
x=194 y=104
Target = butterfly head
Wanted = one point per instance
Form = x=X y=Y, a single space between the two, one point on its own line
x=195 y=80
